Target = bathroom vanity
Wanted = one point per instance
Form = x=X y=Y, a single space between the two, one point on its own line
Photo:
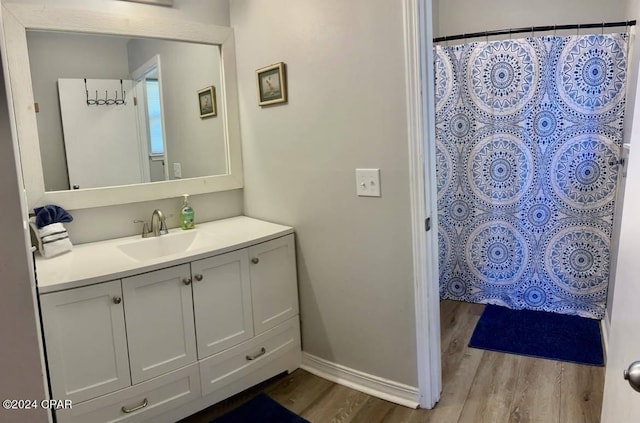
x=159 y=328
x=149 y=329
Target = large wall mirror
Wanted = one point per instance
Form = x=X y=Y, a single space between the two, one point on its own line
x=112 y=109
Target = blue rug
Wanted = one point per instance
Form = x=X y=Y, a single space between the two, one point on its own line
x=260 y=409
x=539 y=334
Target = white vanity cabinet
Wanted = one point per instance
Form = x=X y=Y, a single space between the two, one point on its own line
x=222 y=301
x=246 y=292
x=274 y=284
x=84 y=332
x=158 y=343
x=159 y=316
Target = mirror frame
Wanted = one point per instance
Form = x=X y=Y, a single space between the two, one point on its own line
x=18 y=18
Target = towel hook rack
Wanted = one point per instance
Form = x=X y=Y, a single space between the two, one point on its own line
x=106 y=101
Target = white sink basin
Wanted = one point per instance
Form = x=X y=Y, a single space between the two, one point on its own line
x=160 y=246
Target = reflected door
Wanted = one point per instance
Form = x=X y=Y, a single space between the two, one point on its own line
x=100 y=133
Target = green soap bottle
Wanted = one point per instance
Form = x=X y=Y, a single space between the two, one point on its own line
x=187 y=215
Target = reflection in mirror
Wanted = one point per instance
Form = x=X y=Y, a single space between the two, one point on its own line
x=136 y=119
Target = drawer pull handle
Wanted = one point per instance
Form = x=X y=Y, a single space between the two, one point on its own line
x=255 y=260
x=140 y=407
x=253 y=357
x=186 y=281
x=117 y=300
x=198 y=277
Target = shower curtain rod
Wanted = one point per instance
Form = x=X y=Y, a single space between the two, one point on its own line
x=533 y=29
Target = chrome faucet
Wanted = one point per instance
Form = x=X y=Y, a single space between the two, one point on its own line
x=158 y=223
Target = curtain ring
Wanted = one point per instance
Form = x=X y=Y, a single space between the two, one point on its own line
x=555 y=31
x=532 y=32
x=486 y=36
x=577 y=30
x=602 y=30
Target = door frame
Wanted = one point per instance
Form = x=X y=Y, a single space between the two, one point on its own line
x=138 y=76
x=419 y=73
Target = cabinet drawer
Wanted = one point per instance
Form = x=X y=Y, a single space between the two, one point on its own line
x=160 y=395
x=234 y=363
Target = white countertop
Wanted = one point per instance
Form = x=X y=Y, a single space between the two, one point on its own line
x=104 y=261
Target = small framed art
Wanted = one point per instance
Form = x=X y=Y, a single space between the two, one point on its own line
x=272 y=84
x=207 y=102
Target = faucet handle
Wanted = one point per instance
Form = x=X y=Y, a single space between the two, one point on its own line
x=145 y=227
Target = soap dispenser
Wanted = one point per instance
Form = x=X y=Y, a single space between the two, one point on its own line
x=187 y=214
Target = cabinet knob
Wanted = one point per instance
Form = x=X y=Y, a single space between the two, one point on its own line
x=117 y=300
x=186 y=281
x=198 y=277
x=255 y=260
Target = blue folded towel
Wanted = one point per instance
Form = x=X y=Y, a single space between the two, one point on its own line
x=49 y=214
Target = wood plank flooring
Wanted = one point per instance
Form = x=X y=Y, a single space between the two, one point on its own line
x=478 y=387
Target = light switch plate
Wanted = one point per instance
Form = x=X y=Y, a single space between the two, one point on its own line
x=368 y=182
x=177 y=170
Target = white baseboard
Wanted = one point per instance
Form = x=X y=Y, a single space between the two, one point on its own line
x=605 y=326
x=385 y=389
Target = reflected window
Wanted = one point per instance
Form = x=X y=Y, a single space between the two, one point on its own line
x=154 y=114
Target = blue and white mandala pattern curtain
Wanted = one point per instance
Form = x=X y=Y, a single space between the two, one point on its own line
x=528 y=132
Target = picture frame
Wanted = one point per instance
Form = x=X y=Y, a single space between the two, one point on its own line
x=272 y=84
x=207 y=102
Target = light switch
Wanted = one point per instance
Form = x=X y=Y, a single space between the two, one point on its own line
x=177 y=170
x=368 y=182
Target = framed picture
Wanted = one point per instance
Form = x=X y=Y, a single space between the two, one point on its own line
x=207 y=102
x=272 y=84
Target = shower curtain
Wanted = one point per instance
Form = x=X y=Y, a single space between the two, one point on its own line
x=528 y=134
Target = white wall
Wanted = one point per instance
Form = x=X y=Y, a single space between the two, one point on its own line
x=467 y=16
x=346 y=109
x=117 y=221
x=632 y=12
x=53 y=56
x=435 y=17
x=21 y=370
x=196 y=143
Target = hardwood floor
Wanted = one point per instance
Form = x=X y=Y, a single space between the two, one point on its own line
x=478 y=387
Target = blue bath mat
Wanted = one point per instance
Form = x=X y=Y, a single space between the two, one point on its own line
x=539 y=334
x=260 y=409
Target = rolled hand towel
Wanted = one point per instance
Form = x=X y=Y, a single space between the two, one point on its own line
x=53 y=239
x=51 y=213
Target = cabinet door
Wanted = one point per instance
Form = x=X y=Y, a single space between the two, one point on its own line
x=274 y=285
x=222 y=302
x=159 y=315
x=85 y=341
